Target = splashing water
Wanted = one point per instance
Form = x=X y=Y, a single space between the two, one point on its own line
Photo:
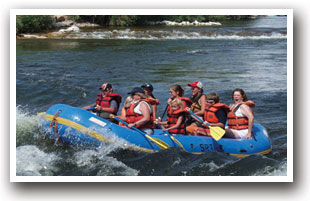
x=31 y=161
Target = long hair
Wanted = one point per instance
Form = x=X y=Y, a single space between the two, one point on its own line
x=178 y=102
x=243 y=94
x=178 y=88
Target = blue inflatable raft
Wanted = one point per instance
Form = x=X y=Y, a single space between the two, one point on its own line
x=77 y=126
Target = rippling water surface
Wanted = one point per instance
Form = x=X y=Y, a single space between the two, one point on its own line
x=247 y=54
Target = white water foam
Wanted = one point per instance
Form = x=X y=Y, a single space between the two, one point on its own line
x=129 y=34
x=31 y=161
x=280 y=170
x=26 y=126
x=94 y=159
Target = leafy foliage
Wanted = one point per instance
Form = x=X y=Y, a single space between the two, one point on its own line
x=33 y=23
x=39 y=23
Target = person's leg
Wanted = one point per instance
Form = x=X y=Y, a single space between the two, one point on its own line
x=191 y=129
x=231 y=134
x=202 y=132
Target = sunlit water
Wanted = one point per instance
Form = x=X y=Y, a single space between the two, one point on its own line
x=247 y=54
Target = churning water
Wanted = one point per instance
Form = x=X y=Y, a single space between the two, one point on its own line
x=249 y=54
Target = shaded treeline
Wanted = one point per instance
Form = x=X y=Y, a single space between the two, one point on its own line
x=39 y=23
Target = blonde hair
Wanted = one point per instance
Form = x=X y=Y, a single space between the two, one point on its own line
x=141 y=95
x=127 y=101
x=178 y=102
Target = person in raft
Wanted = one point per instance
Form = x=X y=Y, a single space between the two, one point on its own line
x=148 y=90
x=139 y=112
x=176 y=118
x=123 y=111
x=215 y=115
x=240 y=117
x=107 y=102
x=177 y=92
x=198 y=106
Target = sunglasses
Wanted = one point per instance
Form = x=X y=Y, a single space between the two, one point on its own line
x=210 y=101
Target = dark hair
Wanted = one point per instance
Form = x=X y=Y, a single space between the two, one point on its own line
x=213 y=96
x=243 y=94
x=178 y=88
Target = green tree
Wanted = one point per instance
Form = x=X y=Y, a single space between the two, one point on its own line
x=33 y=23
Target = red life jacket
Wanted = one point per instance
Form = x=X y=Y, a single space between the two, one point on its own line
x=209 y=114
x=172 y=118
x=105 y=101
x=239 y=123
x=132 y=116
x=152 y=101
x=187 y=102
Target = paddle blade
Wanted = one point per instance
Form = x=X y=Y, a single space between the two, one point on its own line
x=217 y=132
x=158 y=142
x=175 y=140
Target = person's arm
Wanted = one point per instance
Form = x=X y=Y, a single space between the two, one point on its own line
x=162 y=123
x=145 y=113
x=177 y=125
x=154 y=108
x=246 y=111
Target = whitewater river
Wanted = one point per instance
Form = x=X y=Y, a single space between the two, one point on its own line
x=249 y=54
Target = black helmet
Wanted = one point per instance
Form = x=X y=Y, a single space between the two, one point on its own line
x=136 y=90
x=148 y=87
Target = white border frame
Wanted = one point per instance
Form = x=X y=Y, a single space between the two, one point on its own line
x=288 y=12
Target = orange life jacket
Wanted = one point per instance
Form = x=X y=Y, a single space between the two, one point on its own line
x=132 y=116
x=210 y=115
x=239 y=123
x=172 y=118
x=105 y=101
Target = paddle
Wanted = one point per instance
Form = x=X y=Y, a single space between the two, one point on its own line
x=92 y=108
x=172 y=138
x=158 y=142
x=215 y=131
x=88 y=108
x=162 y=116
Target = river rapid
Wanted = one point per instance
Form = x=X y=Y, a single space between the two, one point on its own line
x=243 y=54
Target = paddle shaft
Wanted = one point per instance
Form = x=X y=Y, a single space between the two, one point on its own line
x=168 y=135
x=92 y=108
x=195 y=115
x=162 y=116
x=216 y=132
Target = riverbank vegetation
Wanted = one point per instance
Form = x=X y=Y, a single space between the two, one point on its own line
x=41 y=23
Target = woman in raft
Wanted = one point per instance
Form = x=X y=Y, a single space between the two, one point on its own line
x=240 y=117
x=198 y=106
x=177 y=92
x=138 y=112
x=148 y=90
x=175 y=123
x=149 y=97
